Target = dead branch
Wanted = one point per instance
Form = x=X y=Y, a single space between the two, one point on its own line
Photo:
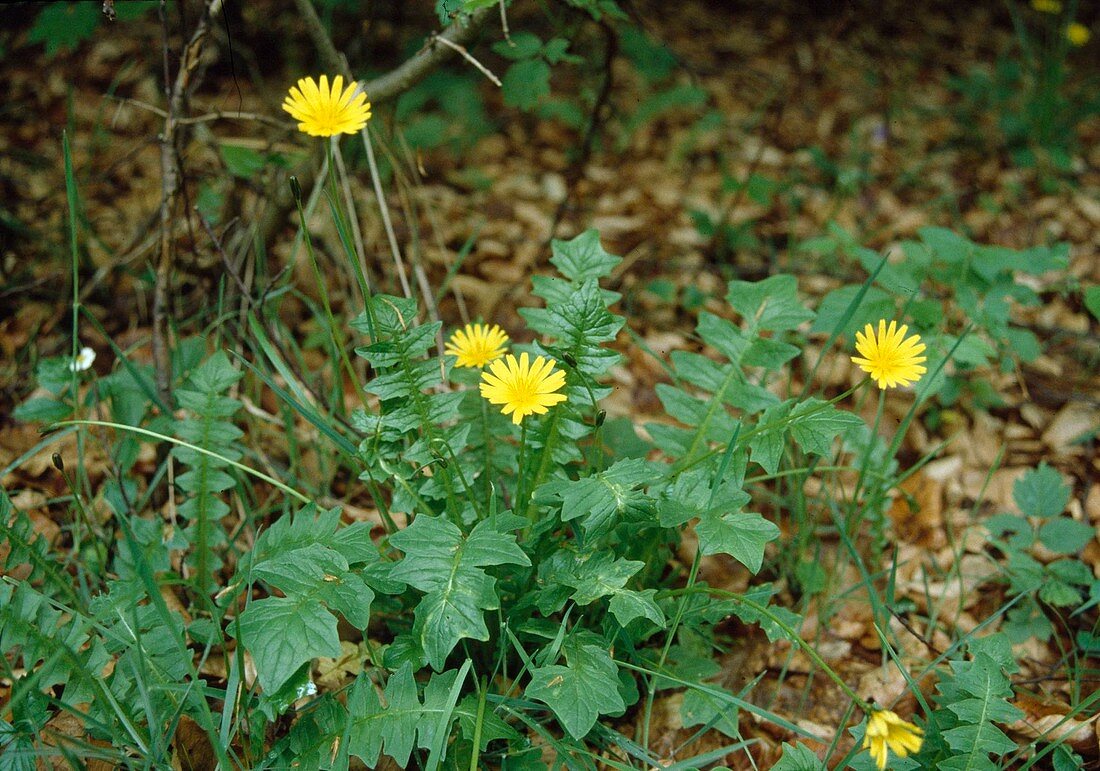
x=459 y=34
x=176 y=93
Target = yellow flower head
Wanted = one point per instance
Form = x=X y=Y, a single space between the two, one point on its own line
x=887 y=731
x=523 y=388
x=888 y=357
x=1047 y=6
x=476 y=345
x=1078 y=34
x=324 y=112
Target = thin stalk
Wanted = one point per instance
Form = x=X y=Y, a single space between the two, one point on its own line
x=488 y=451
x=74 y=261
x=866 y=458
x=790 y=633
x=359 y=264
x=164 y=438
x=521 y=463
x=376 y=180
x=334 y=333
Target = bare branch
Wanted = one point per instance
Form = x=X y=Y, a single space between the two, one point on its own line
x=459 y=34
x=176 y=92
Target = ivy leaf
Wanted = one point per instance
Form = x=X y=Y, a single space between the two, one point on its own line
x=284 y=633
x=582 y=258
x=742 y=536
x=596 y=575
x=766 y=443
x=761 y=595
x=404 y=723
x=601 y=500
x=447 y=567
x=814 y=425
x=798 y=757
x=1041 y=492
x=582 y=690
x=769 y=304
x=627 y=605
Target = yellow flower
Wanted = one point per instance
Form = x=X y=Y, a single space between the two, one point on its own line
x=889 y=358
x=324 y=112
x=1047 y=6
x=887 y=731
x=523 y=388
x=1078 y=34
x=476 y=345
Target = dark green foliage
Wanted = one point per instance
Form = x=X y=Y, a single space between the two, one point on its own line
x=208 y=428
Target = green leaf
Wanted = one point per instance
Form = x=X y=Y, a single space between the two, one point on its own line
x=593 y=576
x=814 y=425
x=444 y=565
x=627 y=605
x=403 y=723
x=583 y=257
x=652 y=59
x=582 y=690
x=679 y=98
x=64 y=25
x=761 y=595
x=705 y=708
x=1059 y=594
x=769 y=304
x=1092 y=301
x=877 y=304
x=742 y=536
x=523 y=45
x=1041 y=492
x=978 y=697
x=769 y=353
x=1063 y=535
x=798 y=757
x=242 y=162
x=602 y=500
x=41 y=410
x=283 y=633
x=525 y=83
x=766 y=442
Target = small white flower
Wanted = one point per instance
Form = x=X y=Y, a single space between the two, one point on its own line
x=83 y=360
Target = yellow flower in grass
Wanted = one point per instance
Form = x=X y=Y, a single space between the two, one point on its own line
x=475 y=345
x=888 y=732
x=889 y=357
x=1047 y=6
x=325 y=112
x=1078 y=34
x=523 y=388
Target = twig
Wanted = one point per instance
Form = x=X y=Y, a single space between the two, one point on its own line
x=408 y=73
x=205 y=117
x=611 y=40
x=467 y=56
x=176 y=92
x=504 y=25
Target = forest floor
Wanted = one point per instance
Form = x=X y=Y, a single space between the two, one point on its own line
x=840 y=118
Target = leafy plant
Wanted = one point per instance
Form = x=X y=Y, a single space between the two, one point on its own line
x=1041 y=496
